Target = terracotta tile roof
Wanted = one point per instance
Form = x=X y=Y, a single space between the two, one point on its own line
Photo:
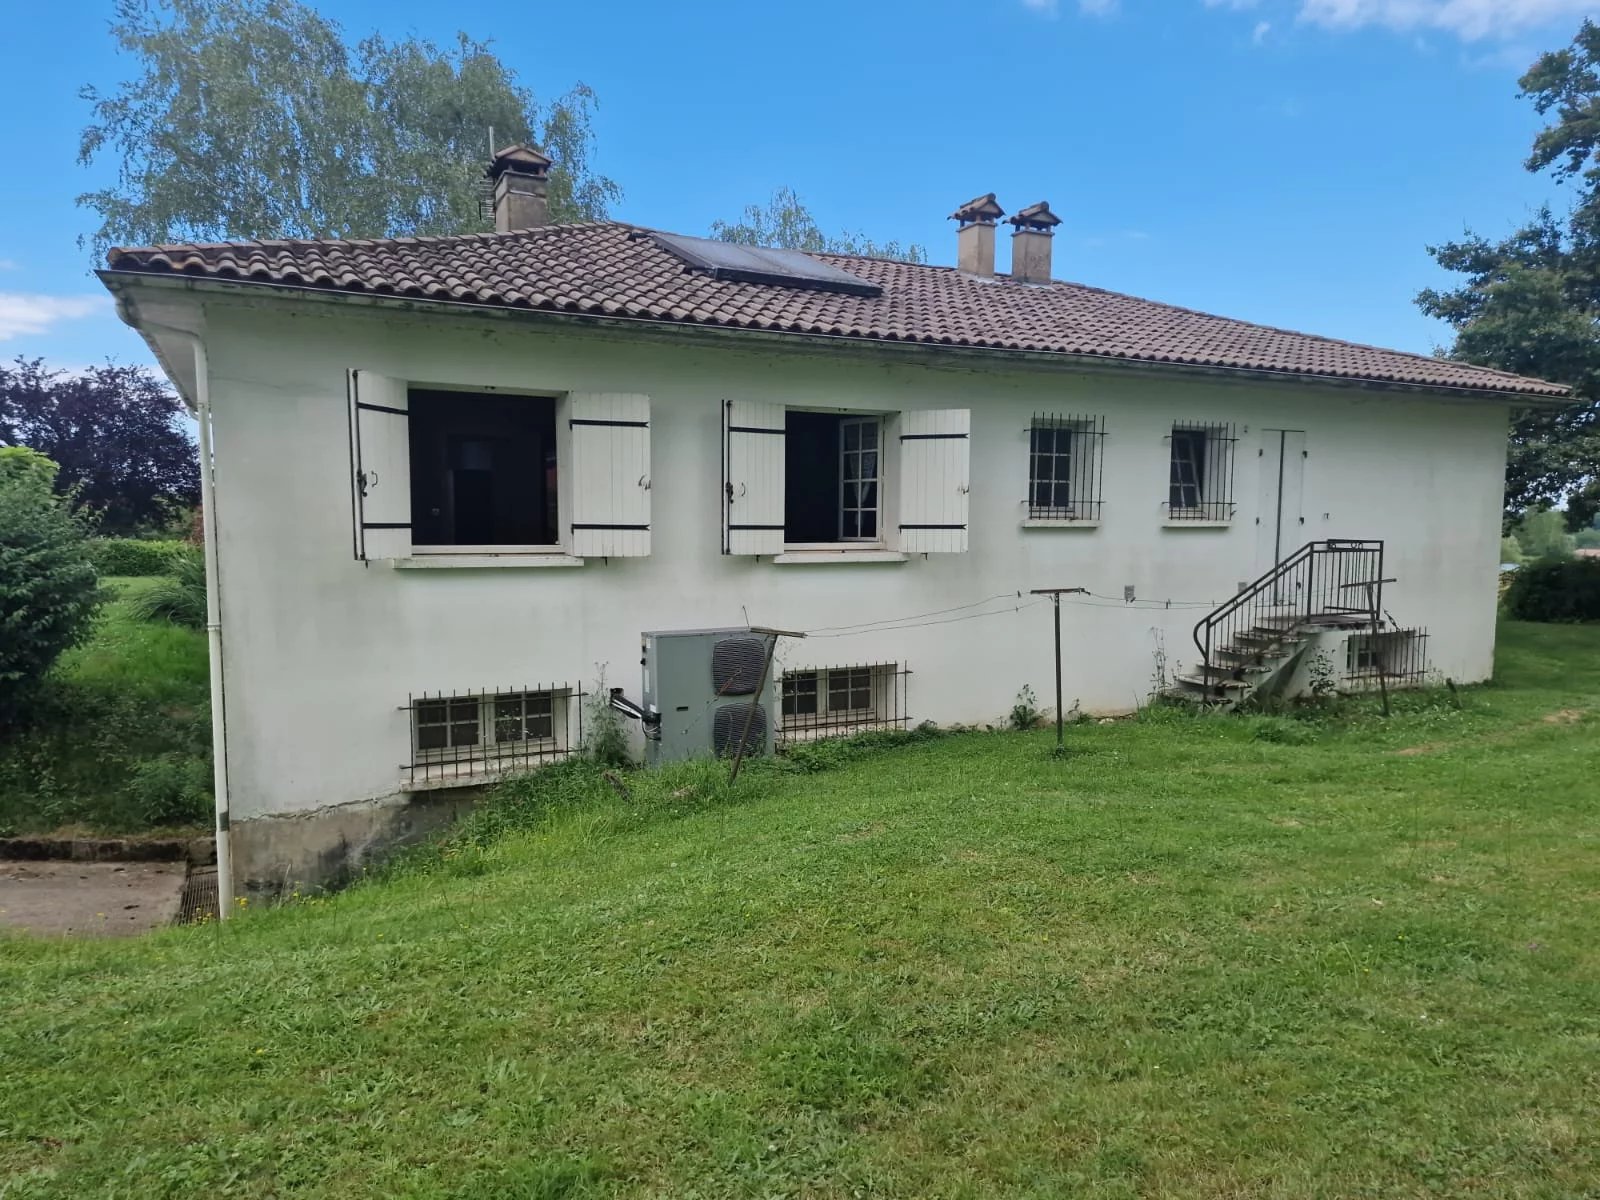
x=618 y=270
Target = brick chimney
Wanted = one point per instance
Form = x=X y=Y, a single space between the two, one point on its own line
x=975 y=236
x=521 y=177
x=1030 y=244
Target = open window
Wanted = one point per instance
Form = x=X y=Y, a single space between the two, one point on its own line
x=833 y=473
x=443 y=471
x=1200 y=477
x=799 y=479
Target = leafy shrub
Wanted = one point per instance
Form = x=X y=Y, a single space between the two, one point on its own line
x=1281 y=731
x=48 y=589
x=133 y=556
x=172 y=789
x=179 y=595
x=1556 y=590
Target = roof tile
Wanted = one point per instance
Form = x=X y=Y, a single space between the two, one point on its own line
x=607 y=268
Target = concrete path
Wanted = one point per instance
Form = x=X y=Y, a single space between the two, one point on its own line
x=90 y=899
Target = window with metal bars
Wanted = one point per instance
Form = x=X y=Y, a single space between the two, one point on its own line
x=462 y=736
x=1200 y=484
x=1064 y=468
x=1398 y=655
x=832 y=701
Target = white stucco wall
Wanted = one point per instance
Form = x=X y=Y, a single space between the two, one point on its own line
x=320 y=650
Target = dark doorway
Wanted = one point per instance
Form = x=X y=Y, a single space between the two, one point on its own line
x=483 y=469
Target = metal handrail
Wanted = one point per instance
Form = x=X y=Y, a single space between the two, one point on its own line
x=1315 y=579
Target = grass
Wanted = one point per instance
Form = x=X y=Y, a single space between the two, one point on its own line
x=122 y=736
x=1191 y=959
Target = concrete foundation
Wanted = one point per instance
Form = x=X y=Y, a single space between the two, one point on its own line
x=329 y=847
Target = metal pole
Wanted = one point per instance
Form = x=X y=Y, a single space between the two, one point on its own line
x=1055 y=595
x=1061 y=744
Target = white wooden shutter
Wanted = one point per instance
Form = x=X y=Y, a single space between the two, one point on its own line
x=610 y=465
x=752 y=480
x=934 y=474
x=380 y=465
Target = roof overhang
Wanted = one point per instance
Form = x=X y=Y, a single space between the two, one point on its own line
x=123 y=285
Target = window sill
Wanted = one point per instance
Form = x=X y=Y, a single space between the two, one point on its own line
x=1058 y=523
x=1180 y=523
x=791 y=557
x=444 y=561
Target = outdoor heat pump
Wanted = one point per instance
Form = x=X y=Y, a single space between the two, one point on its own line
x=705 y=687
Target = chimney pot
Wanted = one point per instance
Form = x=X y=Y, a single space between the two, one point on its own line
x=1030 y=243
x=975 y=236
x=521 y=178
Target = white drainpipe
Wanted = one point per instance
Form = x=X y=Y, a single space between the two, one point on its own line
x=208 y=503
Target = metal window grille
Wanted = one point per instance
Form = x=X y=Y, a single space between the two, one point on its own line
x=837 y=701
x=1064 y=467
x=1399 y=655
x=1201 y=481
x=468 y=737
x=860 y=459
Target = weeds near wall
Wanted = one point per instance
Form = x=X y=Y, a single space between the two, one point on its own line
x=605 y=740
x=1322 y=681
x=1025 y=712
x=1160 y=681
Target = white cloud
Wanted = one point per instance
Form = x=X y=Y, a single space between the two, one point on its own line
x=23 y=313
x=9 y=264
x=1469 y=20
x=1259 y=34
x=1097 y=8
x=1236 y=5
x=1046 y=8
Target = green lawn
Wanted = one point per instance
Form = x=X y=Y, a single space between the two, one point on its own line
x=1201 y=958
x=121 y=738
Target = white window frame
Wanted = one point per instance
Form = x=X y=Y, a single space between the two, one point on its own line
x=845 y=547
x=1213 y=490
x=484 y=751
x=862 y=423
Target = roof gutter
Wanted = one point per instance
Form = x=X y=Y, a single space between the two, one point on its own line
x=208 y=510
x=113 y=279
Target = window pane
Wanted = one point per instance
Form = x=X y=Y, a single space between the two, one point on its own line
x=868 y=524
x=852 y=435
x=869 y=435
x=431 y=737
x=800 y=694
x=869 y=495
x=850 y=523
x=869 y=465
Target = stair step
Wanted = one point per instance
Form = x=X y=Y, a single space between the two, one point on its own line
x=1232 y=670
x=1211 y=685
x=1253 y=654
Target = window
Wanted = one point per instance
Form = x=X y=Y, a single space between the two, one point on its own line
x=464 y=736
x=833 y=474
x=1064 y=474
x=483 y=469
x=1397 y=654
x=822 y=702
x=1201 y=477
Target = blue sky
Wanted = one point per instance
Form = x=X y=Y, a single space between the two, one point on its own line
x=1284 y=161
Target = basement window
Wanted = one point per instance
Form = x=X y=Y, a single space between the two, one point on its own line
x=463 y=737
x=1396 y=654
x=1064 y=475
x=836 y=701
x=833 y=479
x=483 y=471
x=1200 y=484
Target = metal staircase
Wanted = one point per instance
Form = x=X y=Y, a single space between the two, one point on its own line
x=1251 y=647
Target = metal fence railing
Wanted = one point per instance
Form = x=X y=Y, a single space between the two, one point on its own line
x=464 y=737
x=819 y=702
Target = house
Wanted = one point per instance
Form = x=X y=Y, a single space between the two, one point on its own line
x=451 y=481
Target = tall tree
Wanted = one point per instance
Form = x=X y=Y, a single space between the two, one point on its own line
x=1531 y=302
x=786 y=223
x=257 y=119
x=116 y=433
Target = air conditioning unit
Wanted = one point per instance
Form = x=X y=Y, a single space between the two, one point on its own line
x=711 y=688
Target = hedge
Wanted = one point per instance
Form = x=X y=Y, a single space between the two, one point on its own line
x=133 y=556
x=1556 y=590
